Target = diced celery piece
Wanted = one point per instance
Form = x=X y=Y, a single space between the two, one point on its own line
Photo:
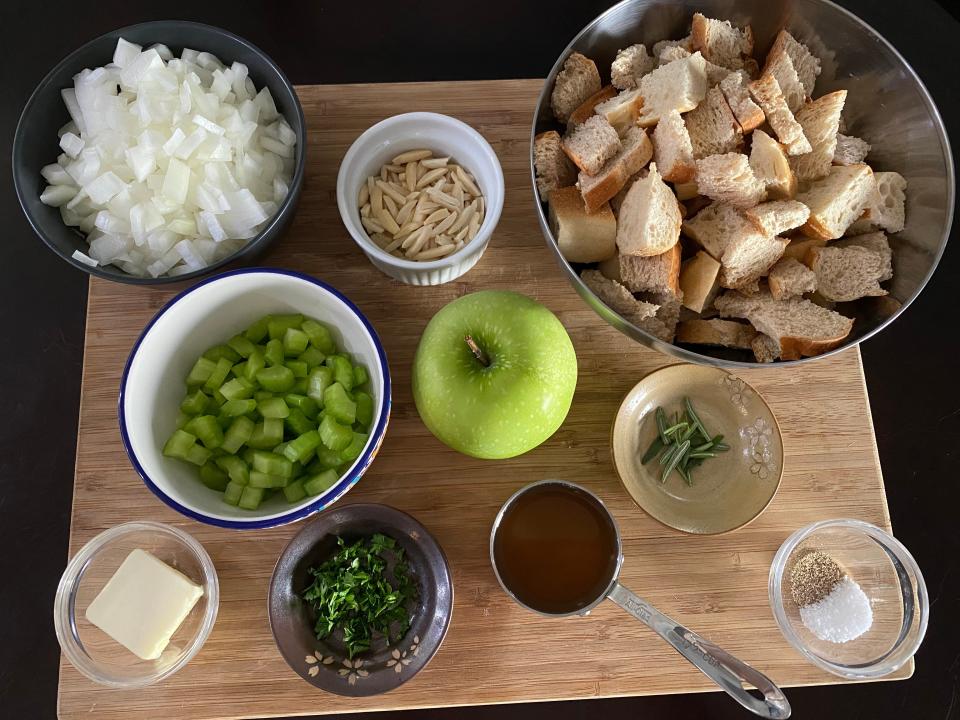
x=250 y=498
x=262 y=395
x=295 y=341
x=337 y=403
x=294 y=492
x=235 y=468
x=320 y=336
x=218 y=375
x=273 y=407
x=352 y=451
x=213 y=477
x=179 y=443
x=266 y=434
x=198 y=455
x=268 y=462
x=298 y=423
x=182 y=419
x=297 y=471
x=208 y=430
x=232 y=493
x=218 y=398
x=224 y=422
x=334 y=435
x=265 y=480
x=299 y=368
x=238 y=369
x=299 y=386
x=191 y=425
x=222 y=351
x=257 y=331
x=276 y=379
x=320 y=379
x=237 y=388
x=247 y=455
x=255 y=363
x=274 y=352
x=364 y=408
x=320 y=482
x=302 y=403
x=278 y=324
x=342 y=370
x=325 y=460
x=241 y=345
x=195 y=403
x=201 y=371
x=298 y=449
x=360 y=375
x=312 y=357
x=236 y=408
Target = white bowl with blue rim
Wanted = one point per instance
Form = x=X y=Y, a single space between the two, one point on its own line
x=208 y=314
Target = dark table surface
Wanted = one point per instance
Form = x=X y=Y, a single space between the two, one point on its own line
x=911 y=368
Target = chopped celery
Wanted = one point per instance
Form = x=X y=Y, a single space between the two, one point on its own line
x=222 y=351
x=298 y=423
x=271 y=464
x=213 y=477
x=299 y=386
x=182 y=419
x=237 y=435
x=299 y=369
x=294 y=342
x=334 y=435
x=235 y=468
x=276 y=379
x=198 y=455
x=195 y=404
x=218 y=375
x=232 y=493
x=251 y=498
x=273 y=407
x=320 y=482
x=360 y=375
x=364 y=408
x=266 y=434
x=352 y=451
x=297 y=470
x=302 y=403
x=262 y=395
x=326 y=459
x=238 y=369
x=179 y=443
x=294 y=492
x=236 y=408
x=265 y=480
x=320 y=336
x=255 y=363
x=236 y=389
x=298 y=449
x=342 y=370
x=312 y=356
x=218 y=398
x=200 y=373
x=338 y=404
x=208 y=430
x=274 y=352
x=241 y=345
x=278 y=324
x=257 y=331
x=320 y=379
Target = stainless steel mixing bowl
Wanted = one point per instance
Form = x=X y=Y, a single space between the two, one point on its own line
x=887 y=105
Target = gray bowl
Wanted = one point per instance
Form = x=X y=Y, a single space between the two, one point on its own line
x=35 y=141
x=887 y=105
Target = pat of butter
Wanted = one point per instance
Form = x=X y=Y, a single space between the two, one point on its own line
x=143 y=604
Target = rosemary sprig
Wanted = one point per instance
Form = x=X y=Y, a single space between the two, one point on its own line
x=682 y=445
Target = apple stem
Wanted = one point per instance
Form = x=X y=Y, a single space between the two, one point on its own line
x=478 y=353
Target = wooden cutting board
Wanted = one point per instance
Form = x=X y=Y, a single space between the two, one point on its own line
x=495 y=651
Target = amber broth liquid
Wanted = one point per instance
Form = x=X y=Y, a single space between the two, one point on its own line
x=556 y=549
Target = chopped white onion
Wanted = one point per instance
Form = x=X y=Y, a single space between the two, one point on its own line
x=168 y=164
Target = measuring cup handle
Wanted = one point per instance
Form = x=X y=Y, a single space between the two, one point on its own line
x=717 y=664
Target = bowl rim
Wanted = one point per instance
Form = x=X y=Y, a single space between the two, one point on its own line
x=64 y=605
x=623 y=484
x=492 y=211
x=285 y=207
x=889 y=543
x=637 y=333
x=344 y=483
x=360 y=509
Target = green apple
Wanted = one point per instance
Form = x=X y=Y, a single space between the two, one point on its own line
x=494 y=374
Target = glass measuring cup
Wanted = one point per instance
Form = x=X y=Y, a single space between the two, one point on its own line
x=724 y=669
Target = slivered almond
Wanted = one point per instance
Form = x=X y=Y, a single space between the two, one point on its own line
x=371 y=225
x=364 y=195
x=433 y=163
x=411 y=156
x=392 y=190
x=365 y=210
x=430 y=176
x=376 y=198
x=468 y=182
x=410 y=176
x=436 y=216
x=391 y=206
x=389 y=224
x=404 y=213
x=445 y=224
x=435 y=252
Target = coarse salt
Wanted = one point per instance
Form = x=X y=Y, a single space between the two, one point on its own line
x=843 y=615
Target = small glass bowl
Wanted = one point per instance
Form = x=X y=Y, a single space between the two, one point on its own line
x=887 y=574
x=93 y=652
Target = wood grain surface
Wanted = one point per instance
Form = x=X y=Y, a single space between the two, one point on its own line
x=495 y=652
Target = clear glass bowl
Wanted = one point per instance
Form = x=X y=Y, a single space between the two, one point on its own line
x=93 y=652
x=887 y=574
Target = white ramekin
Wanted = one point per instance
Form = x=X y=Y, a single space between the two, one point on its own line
x=445 y=136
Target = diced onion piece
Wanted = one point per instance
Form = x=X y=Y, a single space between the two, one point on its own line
x=104 y=187
x=84 y=258
x=71 y=144
x=57 y=195
x=125 y=53
x=54 y=174
x=162 y=50
x=176 y=181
